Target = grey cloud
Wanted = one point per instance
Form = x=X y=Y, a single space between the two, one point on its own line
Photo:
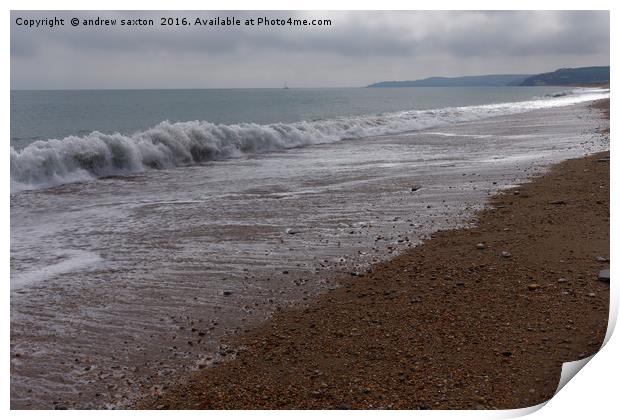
x=398 y=39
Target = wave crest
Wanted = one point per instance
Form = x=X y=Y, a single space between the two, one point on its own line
x=52 y=162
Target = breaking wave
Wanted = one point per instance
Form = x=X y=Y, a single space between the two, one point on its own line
x=53 y=162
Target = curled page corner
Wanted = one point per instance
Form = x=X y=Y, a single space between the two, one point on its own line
x=519 y=412
x=569 y=370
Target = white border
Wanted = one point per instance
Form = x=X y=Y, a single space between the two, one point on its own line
x=591 y=394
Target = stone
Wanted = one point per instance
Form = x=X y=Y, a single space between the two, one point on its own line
x=603 y=275
x=562 y=280
x=506 y=254
x=481 y=245
x=602 y=259
x=227 y=293
x=533 y=286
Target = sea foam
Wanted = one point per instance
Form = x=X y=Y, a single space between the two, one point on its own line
x=53 y=162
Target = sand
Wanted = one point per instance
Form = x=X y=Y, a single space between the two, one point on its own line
x=474 y=318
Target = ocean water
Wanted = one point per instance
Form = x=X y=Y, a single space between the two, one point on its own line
x=137 y=244
x=66 y=136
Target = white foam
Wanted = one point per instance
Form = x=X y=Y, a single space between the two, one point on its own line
x=68 y=260
x=72 y=159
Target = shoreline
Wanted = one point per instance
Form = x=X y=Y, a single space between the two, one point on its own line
x=234 y=259
x=404 y=335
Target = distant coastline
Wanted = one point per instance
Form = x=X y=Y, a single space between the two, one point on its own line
x=560 y=77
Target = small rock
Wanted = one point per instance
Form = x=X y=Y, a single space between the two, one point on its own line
x=562 y=280
x=415 y=188
x=533 y=286
x=481 y=245
x=602 y=259
x=227 y=293
x=291 y=231
x=506 y=254
x=506 y=353
x=603 y=275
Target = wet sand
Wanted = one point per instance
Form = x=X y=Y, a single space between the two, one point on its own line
x=481 y=317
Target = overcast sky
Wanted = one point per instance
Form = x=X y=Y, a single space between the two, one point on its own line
x=357 y=49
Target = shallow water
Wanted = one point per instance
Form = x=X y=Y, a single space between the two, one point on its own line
x=121 y=284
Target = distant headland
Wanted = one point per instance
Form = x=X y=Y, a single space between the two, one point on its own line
x=560 y=77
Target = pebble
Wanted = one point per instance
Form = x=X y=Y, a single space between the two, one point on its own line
x=602 y=259
x=562 y=280
x=533 y=286
x=506 y=254
x=481 y=245
x=603 y=275
x=227 y=293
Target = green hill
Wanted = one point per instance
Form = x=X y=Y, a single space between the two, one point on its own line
x=486 y=80
x=568 y=76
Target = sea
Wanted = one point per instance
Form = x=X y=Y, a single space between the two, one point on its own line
x=149 y=225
